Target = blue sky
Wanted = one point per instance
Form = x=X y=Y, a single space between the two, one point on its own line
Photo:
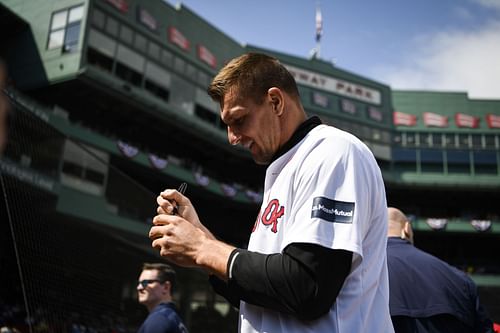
x=443 y=45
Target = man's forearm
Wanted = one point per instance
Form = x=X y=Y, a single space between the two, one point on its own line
x=304 y=281
x=213 y=256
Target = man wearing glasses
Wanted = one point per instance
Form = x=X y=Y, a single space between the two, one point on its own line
x=154 y=291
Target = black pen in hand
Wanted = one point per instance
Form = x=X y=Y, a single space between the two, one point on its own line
x=181 y=190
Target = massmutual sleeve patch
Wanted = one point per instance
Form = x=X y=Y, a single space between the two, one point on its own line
x=332 y=210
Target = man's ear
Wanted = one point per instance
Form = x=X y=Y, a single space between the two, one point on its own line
x=276 y=98
x=407 y=232
x=167 y=287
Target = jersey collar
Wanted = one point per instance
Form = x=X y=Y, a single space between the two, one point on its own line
x=298 y=135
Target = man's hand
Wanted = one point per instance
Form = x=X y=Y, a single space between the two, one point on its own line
x=171 y=198
x=177 y=239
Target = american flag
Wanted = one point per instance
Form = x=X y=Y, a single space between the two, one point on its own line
x=319 y=24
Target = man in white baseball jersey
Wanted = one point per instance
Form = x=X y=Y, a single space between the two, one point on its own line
x=316 y=259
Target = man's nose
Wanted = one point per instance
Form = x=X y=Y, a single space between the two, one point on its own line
x=233 y=137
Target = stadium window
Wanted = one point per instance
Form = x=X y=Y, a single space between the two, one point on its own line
x=191 y=71
x=409 y=139
x=140 y=42
x=203 y=79
x=376 y=135
x=156 y=90
x=404 y=159
x=83 y=168
x=385 y=137
x=166 y=58
x=477 y=141
x=449 y=140
x=425 y=140
x=431 y=160
x=93 y=176
x=154 y=51
x=489 y=141
x=72 y=169
x=340 y=124
x=437 y=140
x=179 y=65
x=100 y=60
x=458 y=161
x=397 y=139
x=126 y=34
x=357 y=130
x=485 y=162
x=205 y=114
x=463 y=141
x=98 y=19
x=65 y=29
x=128 y=74
x=111 y=26
x=366 y=132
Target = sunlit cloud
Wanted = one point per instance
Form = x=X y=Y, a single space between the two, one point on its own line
x=467 y=61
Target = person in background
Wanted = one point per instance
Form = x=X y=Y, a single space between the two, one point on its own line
x=154 y=291
x=427 y=294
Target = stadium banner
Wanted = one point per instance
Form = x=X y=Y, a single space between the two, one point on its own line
x=201 y=179
x=206 y=56
x=157 y=162
x=437 y=224
x=126 y=149
x=254 y=196
x=375 y=114
x=228 y=190
x=404 y=119
x=465 y=120
x=320 y=99
x=435 y=120
x=493 y=120
x=146 y=19
x=176 y=37
x=330 y=84
x=121 y=5
x=481 y=225
x=348 y=106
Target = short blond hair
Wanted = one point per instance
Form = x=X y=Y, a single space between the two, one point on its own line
x=251 y=75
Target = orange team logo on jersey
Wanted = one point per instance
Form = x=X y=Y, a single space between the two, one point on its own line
x=271 y=215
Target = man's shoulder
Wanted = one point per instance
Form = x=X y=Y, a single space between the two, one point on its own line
x=164 y=317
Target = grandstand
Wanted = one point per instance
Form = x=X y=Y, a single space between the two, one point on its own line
x=109 y=108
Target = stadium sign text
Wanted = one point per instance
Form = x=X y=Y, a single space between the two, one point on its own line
x=340 y=87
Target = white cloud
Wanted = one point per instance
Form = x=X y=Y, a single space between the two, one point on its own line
x=493 y=4
x=451 y=61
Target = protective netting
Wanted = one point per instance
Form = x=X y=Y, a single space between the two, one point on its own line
x=69 y=260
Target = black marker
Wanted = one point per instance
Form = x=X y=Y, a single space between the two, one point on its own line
x=181 y=190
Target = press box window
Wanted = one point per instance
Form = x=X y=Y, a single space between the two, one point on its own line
x=65 y=29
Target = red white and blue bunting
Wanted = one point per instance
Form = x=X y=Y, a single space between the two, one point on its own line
x=481 y=225
x=437 y=224
x=157 y=162
x=127 y=149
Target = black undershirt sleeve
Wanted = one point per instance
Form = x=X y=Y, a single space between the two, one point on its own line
x=303 y=281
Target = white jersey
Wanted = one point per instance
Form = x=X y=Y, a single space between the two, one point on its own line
x=327 y=190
